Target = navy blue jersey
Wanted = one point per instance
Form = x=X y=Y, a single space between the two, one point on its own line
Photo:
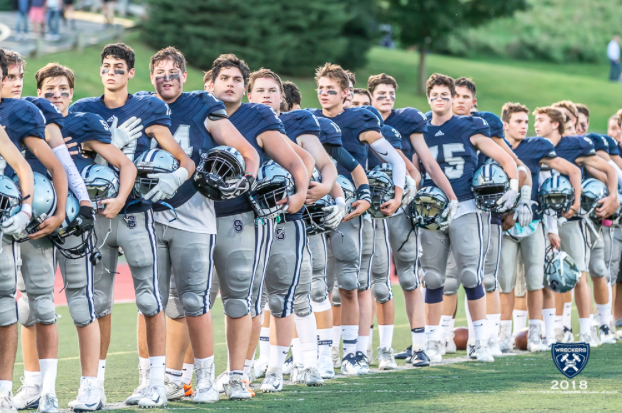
x=599 y=142
x=84 y=127
x=353 y=122
x=151 y=111
x=408 y=121
x=451 y=146
x=395 y=139
x=572 y=147
x=330 y=132
x=251 y=120
x=494 y=122
x=300 y=122
x=612 y=145
x=49 y=110
x=188 y=114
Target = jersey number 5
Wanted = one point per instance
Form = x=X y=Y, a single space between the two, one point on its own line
x=456 y=163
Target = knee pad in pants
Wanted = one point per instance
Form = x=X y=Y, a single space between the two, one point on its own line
x=42 y=309
x=192 y=304
x=381 y=292
x=80 y=310
x=336 y=299
x=23 y=311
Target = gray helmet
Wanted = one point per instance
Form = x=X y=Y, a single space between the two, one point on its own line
x=556 y=194
x=73 y=225
x=218 y=166
x=314 y=216
x=349 y=191
x=387 y=168
x=381 y=189
x=273 y=184
x=488 y=184
x=153 y=161
x=10 y=198
x=618 y=212
x=315 y=175
x=428 y=207
x=101 y=183
x=592 y=191
x=560 y=271
x=43 y=204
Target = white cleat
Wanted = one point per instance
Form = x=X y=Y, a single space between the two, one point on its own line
x=606 y=336
x=568 y=337
x=534 y=342
x=548 y=342
x=143 y=381
x=154 y=396
x=587 y=338
x=311 y=377
x=48 y=404
x=7 y=405
x=89 y=397
x=273 y=383
x=288 y=366
x=296 y=375
x=386 y=358
x=27 y=397
x=433 y=351
x=471 y=350
x=493 y=345
x=506 y=343
x=174 y=391
x=260 y=366
x=349 y=366
x=482 y=352
x=221 y=381
x=206 y=391
x=236 y=389
x=361 y=360
x=594 y=332
x=450 y=344
x=334 y=352
x=325 y=367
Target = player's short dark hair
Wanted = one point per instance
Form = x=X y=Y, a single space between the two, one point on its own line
x=119 y=51
x=438 y=79
x=334 y=72
x=568 y=105
x=4 y=66
x=292 y=94
x=361 y=91
x=581 y=108
x=352 y=77
x=54 y=70
x=207 y=76
x=467 y=83
x=225 y=61
x=12 y=58
x=169 y=53
x=555 y=115
x=382 y=79
x=263 y=73
x=511 y=108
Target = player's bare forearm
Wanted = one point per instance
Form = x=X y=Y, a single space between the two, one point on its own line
x=165 y=139
x=53 y=135
x=324 y=165
x=489 y=148
x=306 y=158
x=359 y=177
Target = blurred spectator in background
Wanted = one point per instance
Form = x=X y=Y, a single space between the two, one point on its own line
x=68 y=13
x=108 y=11
x=21 y=7
x=37 y=16
x=53 y=19
x=387 y=36
x=613 y=53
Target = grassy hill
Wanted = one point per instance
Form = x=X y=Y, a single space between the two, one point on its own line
x=498 y=81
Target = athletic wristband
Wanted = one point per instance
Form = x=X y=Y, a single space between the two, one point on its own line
x=514 y=184
x=27 y=209
x=525 y=192
x=522 y=168
x=340 y=200
x=363 y=193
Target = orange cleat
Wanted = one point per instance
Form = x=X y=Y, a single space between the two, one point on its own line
x=248 y=387
x=188 y=390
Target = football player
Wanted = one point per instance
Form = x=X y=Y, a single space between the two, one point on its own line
x=359 y=127
x=134 y=229
x=199 y=122
x=241 y=246
x=455 y=140
x=527 y=241
x=411 y=124
x=38 y=266
x=12 y=139
x=91 y=133
x=613 y=129
x=550 y=124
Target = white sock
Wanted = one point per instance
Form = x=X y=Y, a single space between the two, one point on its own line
x=101 y=370
x=174 y=376
x=264 y=343
x=535 y=322
x=49 y=367
x=386 y=335
x=433 y=333
x=143 y=363
x=361 y=344
x=336 y=336
x=479 y=330
x=6 y=385
x=494 y=323
x=506 y=325
x=307 y=333
x=469 y=323
x=568 y=315
x=248 y=364
x=446 y=329
x=604 y=314
x=585 y=325
x=350 y=334
x=186 y=373
x=371 y=336
x=325 y=341
x=520 y=320
x=156 y=366
x=32 y=378
x=278 y=354
x=559 y=322
x=296 y=351
x=418 y=338
x=548 y=315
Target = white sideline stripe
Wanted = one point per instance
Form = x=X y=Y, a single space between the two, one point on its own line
x=5 y=32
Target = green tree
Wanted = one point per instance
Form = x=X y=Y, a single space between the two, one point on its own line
x=290 y=37
x=422 y=23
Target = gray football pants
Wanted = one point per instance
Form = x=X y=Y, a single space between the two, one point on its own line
x=8 y=281
x=600 y=254
x=616 y=253
x=574 y=243
x=319 y=285
x=37 y=272
x=345 y=257
x=530 y=250
x=136 y=235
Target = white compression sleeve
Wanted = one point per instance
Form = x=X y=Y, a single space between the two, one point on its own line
x=618 y=170
x=388 y=153
x=76 y=184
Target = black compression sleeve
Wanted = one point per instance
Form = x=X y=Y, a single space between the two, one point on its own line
x=342 y=156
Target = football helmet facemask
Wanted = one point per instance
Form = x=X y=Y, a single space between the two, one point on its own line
x=273 y=184
x=10 y=198
x=153 y=161
x=43 y=204
x=76 y=224
x=381 y=189
x=488 y=184
x=556 y=195
x=220 y=174
x=427 y=208
x=592 y=191
x=314 y=216
x=101 y=183
x=560 y=271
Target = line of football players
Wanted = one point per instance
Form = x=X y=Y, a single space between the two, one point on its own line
x=294 y=216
